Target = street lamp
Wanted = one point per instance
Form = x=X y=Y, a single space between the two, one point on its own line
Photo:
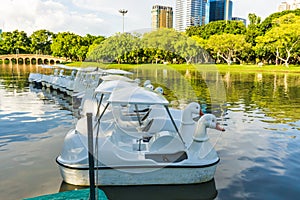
x=123 y=12
x=227 y=10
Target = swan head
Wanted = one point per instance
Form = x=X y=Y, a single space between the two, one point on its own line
x=73 y=73
x=189 y=112
x=160 y=90
x=206 y=121
x=210 y=121
x=137 y=80
x=147 y=82
x=193 y=108
x=149 y=86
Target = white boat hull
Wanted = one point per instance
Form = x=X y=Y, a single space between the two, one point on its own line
x=175 y=174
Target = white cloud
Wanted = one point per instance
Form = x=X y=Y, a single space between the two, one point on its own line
x=32 y=15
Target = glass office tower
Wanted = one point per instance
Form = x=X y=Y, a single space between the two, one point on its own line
x=189 y=13
x=218 y=10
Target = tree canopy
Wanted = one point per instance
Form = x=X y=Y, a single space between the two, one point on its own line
x=227 y=46
x=283 y=40
x=217 y=28
x=64 y=44
x=163 y=45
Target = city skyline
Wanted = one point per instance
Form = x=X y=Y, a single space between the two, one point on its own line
x=100 y=17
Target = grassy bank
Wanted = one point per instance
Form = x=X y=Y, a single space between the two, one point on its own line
x=220 y=67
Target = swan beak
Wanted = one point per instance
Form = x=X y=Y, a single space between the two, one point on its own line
x=201 y=113
x=219 y=128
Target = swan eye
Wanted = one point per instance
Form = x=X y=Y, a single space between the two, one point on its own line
x=197 y=107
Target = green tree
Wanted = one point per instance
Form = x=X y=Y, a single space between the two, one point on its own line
x=161 y=39
x=217 y=27
x=15 y=42
x=116 y=47
x=187 y=48
x=69 y=45
x=268 y=24
x=41 y=41
x=253 y=28
x=165 y=44
x=252 y=32
x=283 y=40
x=227 y=46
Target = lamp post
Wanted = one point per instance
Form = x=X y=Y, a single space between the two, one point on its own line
x=123 y=12
x=227 y=10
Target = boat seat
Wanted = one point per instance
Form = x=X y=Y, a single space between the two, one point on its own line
x=146 y=128
x=158 y=124
x=143 y=110
x=167 y=157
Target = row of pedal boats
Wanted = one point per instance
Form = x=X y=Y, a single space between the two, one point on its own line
x=138 y=139
x=70 y=80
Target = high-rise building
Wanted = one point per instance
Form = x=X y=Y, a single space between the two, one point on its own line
x=189 y=13
x=289 y=6
x=239 y=19
x=219 y=10
x=162 y=17
x=283 y=6
x=295 y=5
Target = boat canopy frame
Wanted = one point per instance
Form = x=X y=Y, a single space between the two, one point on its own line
x=133 y=101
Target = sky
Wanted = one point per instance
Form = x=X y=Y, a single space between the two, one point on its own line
x=100 y=17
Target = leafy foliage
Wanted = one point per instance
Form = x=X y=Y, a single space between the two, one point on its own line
x=283 y=40
x=41 y=41
x=15 y=42
x=227 y=46
x=217 y=28
x=267 y=24
x=65 y=44
x=117 y=47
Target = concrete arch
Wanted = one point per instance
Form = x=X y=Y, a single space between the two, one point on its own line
x=31 y=58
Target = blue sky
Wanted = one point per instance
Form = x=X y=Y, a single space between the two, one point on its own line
x=100 y=17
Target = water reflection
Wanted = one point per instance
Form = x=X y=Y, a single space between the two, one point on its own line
x=23 y=116
x=48 y=95
x=183 y=86
x=164 y=192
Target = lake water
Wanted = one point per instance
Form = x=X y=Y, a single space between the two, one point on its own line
x=259 y=151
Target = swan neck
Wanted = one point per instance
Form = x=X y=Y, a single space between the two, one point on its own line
x=187 y=117
x=200 y=134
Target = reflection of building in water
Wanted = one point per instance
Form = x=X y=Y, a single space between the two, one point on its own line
x=162 y=17
x=292 y=5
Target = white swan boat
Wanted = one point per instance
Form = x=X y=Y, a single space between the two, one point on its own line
x=139 y=147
